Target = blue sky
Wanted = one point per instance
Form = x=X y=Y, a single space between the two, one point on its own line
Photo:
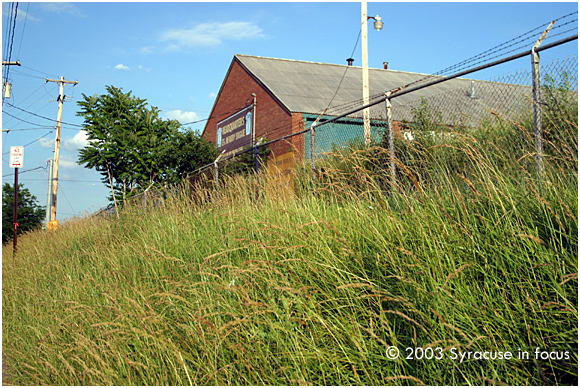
x=176 y=55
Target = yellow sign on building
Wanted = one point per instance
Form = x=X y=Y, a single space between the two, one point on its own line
x=281 y=174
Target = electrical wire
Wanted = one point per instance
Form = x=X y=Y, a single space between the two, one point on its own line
x=40 y=72
x=32 y=142
x=32 y=129
x=27 y=122
x=214 y=117
x=65 y=197
x=23 y=28
x=11 y=44
x=42 y=117
x=522 y=41
x=22 y=172
x=345 y=70
x=7 y=39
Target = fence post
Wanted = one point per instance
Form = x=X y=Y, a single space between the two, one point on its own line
x=536 y=87
x=216 y=179
x=257 y=169
x=216 y=174
x=390 y=138
x=538 y=130
x=313 y=149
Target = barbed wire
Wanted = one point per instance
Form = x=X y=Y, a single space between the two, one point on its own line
x=487 y=56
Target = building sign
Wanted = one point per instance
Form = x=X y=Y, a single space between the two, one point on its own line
x=235 y=132
x=16 y=156
x=281 y=175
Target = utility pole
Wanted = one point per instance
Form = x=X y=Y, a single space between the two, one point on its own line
x=378 y=25
x=53 y=222
x=49 y=192
x=365 y=73
x=7 y=86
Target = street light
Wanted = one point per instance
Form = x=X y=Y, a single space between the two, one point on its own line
x=378 y=25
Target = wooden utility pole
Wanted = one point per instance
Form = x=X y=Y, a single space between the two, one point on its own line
x=6 y=86
x=378 y=25
x=52 y=222
x=365 y=73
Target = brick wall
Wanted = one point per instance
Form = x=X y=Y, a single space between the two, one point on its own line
x=272 y=120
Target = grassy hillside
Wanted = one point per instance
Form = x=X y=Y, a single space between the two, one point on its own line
x=468 y=252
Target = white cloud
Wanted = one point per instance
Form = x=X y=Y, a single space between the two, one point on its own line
x=65 y=163
x=61 y=7
x=77 y=142
x=182 y=117
x=210 y=34
x=120 y=66
x=46 y=143
x=74 y=143
x=212 y=95
x=147 y=50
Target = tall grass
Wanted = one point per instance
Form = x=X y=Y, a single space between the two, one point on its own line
x=466 y=251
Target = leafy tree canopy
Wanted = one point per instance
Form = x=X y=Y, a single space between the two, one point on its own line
x=30 y=213
x=132 y=147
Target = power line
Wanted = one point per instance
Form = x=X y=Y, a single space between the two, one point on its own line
x=23 y=28
x=41 y=126
x=31 y=129
x=345 y=70
x=65 y=180
x=7 y=35
x=11 y=43
x=214 y=117
x=65 y=196
x=32 y=142
x=24 y=121
x=42 y=117
x=22 y=172
x=38 y=71
x=26 y=75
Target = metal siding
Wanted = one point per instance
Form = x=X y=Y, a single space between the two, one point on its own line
x=308 y=87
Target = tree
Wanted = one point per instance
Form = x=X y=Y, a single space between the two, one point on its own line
x=30 y=213
x=187 y=152
x=246 y=162
x=127 y=140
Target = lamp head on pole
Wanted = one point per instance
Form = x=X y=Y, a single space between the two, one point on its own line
x=378 y=24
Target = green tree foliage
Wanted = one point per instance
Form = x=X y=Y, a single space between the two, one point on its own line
x=30 y=213
x=132 y=147
x=187 y=152
x=246 y=162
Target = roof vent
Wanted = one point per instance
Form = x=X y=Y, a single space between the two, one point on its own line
x=350 y=61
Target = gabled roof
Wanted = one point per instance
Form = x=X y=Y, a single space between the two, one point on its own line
x=309 y=87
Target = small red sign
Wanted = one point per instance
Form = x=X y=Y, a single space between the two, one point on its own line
x=16 y=156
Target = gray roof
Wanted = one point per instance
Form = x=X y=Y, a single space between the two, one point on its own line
x=309 y=87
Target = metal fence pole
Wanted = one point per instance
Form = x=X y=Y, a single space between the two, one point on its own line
x=536 y=87
x=216 y=174
x=257 y=169
x=391 y=140
x=216 y=179
x=313 y=149
x=538 y=130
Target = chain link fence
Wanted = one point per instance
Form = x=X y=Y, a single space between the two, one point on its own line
x=467 y=105
x=470 y=104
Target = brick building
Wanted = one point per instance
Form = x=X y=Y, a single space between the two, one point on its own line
x=289 y=95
